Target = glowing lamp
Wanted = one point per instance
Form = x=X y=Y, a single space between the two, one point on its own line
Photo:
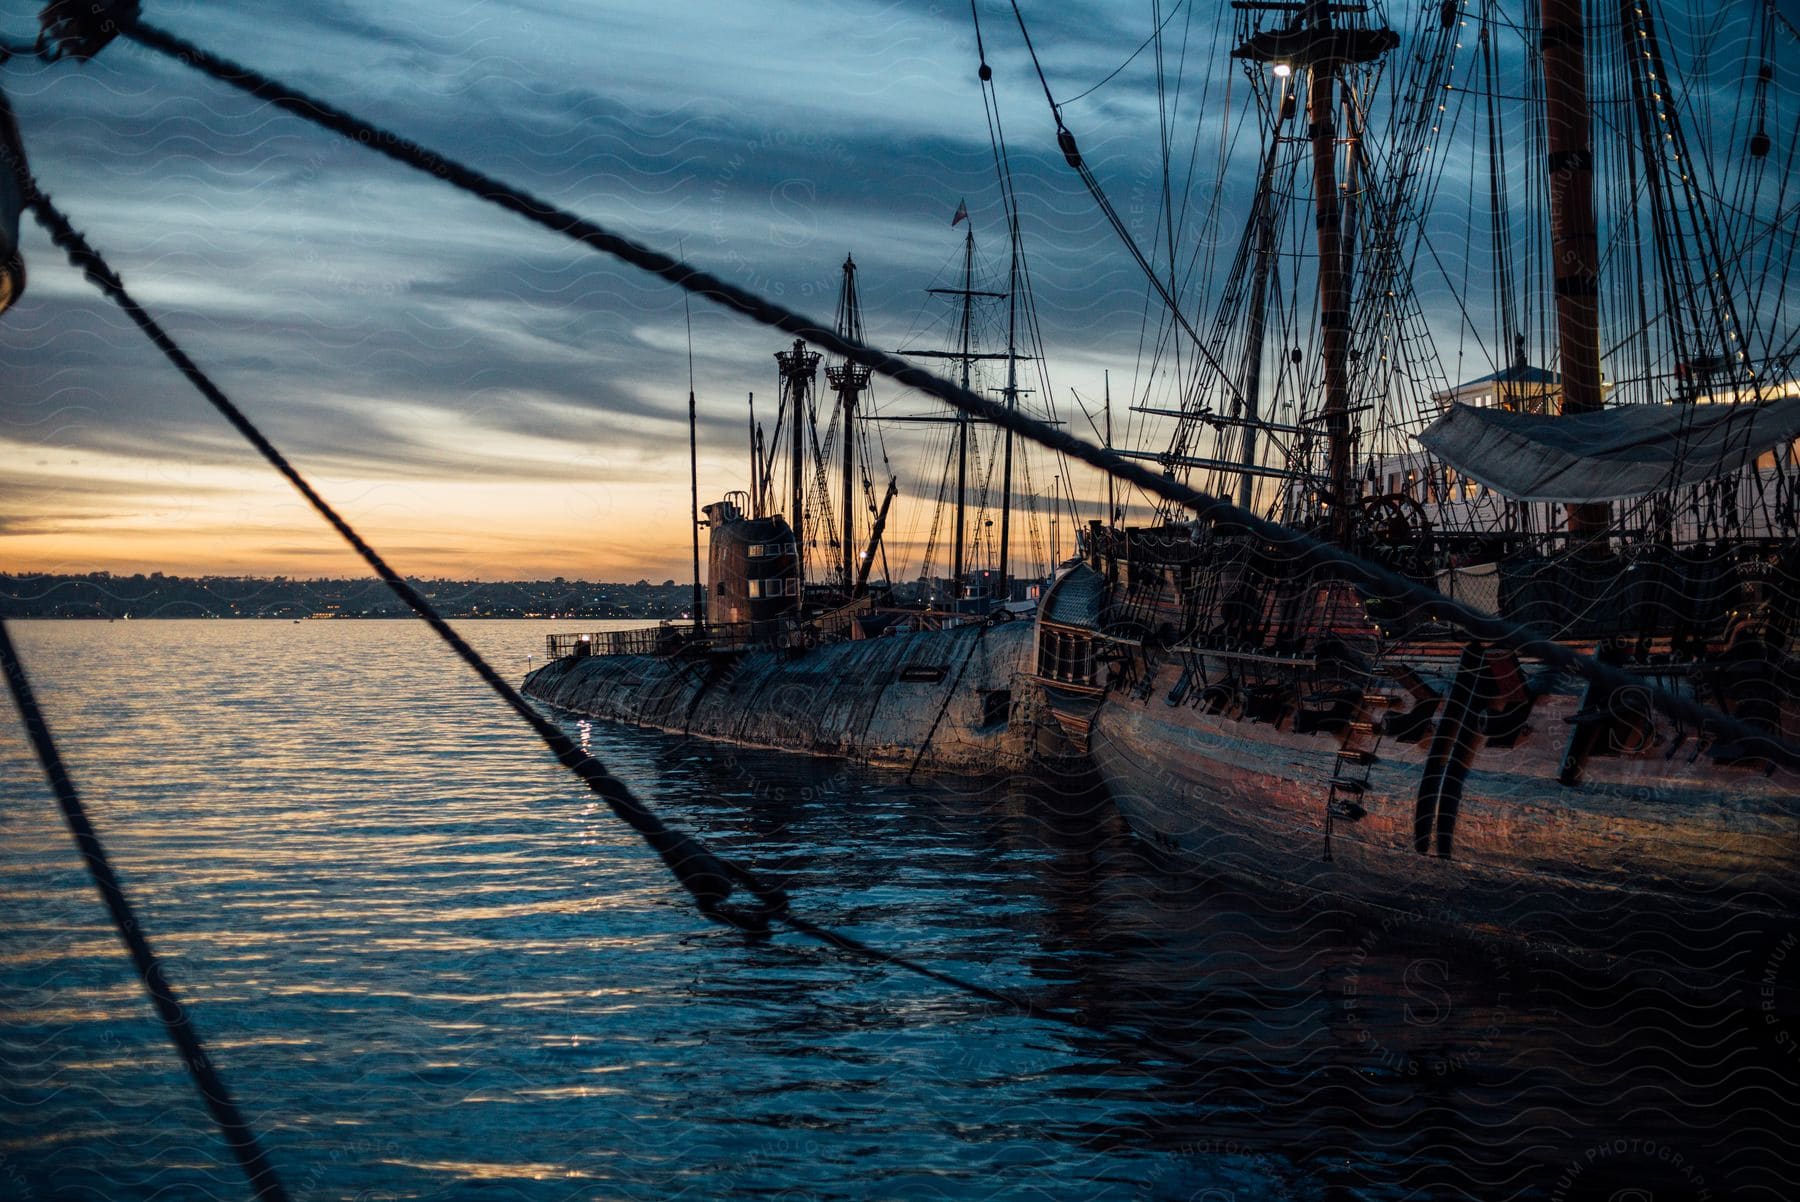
x=1283 y=70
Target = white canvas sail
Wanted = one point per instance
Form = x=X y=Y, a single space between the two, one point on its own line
x=1612 y=455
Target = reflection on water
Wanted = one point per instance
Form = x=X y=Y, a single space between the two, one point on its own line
x=430 y=964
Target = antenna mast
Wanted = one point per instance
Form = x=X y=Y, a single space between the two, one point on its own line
x=693 y=464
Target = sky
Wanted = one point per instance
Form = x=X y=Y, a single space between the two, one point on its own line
x=485 y=400
x=481 y=398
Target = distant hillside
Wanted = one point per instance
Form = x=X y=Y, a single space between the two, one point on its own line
x=104 y=595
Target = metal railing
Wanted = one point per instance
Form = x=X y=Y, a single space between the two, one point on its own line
x=670 y=638
x=665 y=638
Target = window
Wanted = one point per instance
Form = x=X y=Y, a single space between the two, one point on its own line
x=756 y=550
x=793 y=587
x=753 y=588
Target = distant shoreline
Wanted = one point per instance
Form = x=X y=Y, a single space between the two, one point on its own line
x=102 y=595
x=446 y=614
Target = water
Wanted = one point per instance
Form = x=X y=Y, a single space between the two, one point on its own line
x=432 y=966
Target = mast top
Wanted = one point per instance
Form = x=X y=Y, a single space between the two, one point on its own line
x=1317 y=44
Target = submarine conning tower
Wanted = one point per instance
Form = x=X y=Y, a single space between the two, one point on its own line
x=753 y=571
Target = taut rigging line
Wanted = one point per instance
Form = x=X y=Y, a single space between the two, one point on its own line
x=1065 y=141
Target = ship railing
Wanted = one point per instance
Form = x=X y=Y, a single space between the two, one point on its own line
x=665 y=638
x=644 y=640
x=841 y=620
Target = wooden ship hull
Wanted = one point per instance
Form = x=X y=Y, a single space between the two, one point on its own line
x=1455 y=786
x=1642 y=850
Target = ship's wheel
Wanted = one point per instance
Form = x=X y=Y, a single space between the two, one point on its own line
x=1394 y=530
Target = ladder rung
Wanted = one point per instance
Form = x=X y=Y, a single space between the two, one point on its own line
x=1358 y=755
x=1350 y=785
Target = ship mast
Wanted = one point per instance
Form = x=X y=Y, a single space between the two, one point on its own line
x=799 y=368
x=1311 y=42
x=1012 y=401
x=1334 y=280
x=1259 y=303
x=962 y=419
x=966 y=355
x=1574 y=245
x=849 y=381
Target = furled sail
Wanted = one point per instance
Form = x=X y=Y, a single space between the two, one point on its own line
x=1611 y=455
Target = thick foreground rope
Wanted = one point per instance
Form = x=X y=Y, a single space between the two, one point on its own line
x=1304 y=547
x=174 y=1016
x=710 y=878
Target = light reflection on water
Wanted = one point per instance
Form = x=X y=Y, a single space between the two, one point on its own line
x=430 y=964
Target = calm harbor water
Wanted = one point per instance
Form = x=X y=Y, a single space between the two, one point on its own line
x=432 y=966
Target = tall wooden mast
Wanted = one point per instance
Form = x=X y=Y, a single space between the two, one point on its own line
x=1311 y=42
x=1334 y=279
x=849 y=381
x=962 y=419
x=1574 y=246
x=1012 y=402
x=965 y=354
x=1263 y=216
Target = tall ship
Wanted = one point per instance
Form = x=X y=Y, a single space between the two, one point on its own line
x=1511 y=314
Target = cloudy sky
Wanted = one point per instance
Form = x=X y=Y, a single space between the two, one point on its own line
x=486 y=400
x=482 y=398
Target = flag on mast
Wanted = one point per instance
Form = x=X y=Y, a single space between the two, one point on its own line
x=962 y=213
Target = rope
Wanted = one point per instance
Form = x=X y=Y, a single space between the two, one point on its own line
x=709 y=878
x=174 y=1016
x=1111 y=75
x=1306 y=549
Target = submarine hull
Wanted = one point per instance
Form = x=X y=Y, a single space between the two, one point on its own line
x=957 y=700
